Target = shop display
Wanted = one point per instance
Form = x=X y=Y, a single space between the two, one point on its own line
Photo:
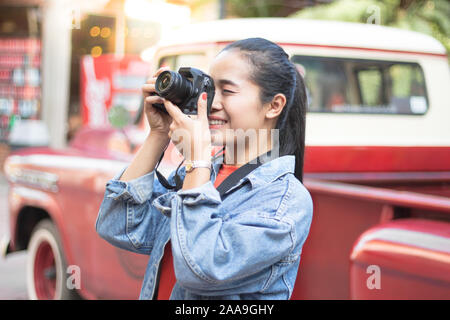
x=20 y=80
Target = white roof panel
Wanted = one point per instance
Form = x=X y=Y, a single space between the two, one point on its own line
x=305 y=31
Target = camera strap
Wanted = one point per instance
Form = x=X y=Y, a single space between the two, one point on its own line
x=223 y=188
x=178 y=183
x=226 y=185
x=234 y=178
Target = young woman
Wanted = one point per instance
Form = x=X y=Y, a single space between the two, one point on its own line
x=246 y=244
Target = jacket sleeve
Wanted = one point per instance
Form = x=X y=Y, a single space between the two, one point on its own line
x=126 y=217
x=216 y=254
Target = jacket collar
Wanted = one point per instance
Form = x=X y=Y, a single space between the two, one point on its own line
x=265 y=173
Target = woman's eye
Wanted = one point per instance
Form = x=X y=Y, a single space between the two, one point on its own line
x=228 y=91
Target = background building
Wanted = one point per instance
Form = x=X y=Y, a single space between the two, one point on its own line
x=42 y=43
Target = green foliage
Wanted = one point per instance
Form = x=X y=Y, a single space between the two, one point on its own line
x=343 y=10
x=262 y=8
x=430 y=16
x=251 y=8
x=426 y=16
x=119 y=117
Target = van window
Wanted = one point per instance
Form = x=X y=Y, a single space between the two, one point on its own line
x=362 y=86
x=194 y=60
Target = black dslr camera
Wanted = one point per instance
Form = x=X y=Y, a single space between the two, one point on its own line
x=184 y=89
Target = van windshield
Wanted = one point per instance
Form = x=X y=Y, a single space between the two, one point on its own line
x=362 y=86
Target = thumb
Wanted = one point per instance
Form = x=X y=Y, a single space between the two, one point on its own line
x=202 y=111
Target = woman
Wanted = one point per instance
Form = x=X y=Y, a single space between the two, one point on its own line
x=246 y=244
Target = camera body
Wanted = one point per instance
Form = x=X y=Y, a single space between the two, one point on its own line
x=183 y=88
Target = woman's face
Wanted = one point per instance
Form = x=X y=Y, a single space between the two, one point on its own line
x=236 y=102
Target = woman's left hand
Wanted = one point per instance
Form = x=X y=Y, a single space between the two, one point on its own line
x=191 y=136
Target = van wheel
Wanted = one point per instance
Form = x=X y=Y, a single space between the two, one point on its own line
x=46 y=266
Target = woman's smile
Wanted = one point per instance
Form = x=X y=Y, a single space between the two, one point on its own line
x=216 y=122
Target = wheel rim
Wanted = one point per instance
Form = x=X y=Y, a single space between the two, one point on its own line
x=45 y=272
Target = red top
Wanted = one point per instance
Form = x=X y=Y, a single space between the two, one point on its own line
x=167 y=278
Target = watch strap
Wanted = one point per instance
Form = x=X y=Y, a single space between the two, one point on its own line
x=191 y=165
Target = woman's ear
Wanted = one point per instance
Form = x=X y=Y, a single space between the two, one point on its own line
x=276 y=106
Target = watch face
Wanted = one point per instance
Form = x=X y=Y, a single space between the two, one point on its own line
x=189 y=166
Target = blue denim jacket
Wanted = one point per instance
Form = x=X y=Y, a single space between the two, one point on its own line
x=244 y=246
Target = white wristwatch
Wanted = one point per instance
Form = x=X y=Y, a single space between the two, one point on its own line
x=191 y=165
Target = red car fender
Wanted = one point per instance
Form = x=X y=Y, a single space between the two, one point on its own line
x=402 y=259
x=21 y=197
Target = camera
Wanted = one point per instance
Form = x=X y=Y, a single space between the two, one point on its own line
x=183 y=88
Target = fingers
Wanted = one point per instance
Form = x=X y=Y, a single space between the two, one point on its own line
x=171 y=129
x=154 y=99
x=149 y=87
x=176 y=114
x=161 y=70
x=202 y=106
x=157 y=73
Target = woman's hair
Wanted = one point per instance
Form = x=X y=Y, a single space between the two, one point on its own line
x=274 y=73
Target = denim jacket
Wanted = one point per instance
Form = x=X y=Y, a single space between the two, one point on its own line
x=246 y=245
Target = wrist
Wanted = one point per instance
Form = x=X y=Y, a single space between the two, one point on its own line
x=196 y=178
x=158 y=133
x=197 y=164
x=158 y=137
x=204 y=154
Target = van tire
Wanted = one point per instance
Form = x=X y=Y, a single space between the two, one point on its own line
x=46 y=265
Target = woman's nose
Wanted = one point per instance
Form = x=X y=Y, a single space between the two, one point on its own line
x=216 y=104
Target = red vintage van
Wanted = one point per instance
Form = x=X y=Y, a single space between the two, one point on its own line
x=377 y=165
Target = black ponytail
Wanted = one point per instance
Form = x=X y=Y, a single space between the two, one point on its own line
x=274 y=73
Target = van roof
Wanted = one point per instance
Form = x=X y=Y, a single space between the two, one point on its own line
x=305 y=31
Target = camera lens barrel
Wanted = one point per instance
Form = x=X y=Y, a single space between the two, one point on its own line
x=172 y=86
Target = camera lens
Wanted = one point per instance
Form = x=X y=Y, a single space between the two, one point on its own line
x=165 y=81
x=174 y=87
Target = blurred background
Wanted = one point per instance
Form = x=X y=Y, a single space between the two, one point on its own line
x=42 y=43
x=47 y=49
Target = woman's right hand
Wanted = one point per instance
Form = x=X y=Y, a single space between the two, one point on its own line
x=159 y=121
